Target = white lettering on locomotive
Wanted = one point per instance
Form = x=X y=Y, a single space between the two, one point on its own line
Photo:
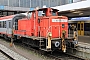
x=59 y=20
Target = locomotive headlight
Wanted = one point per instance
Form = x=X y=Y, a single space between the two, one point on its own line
x=49 y=34
x=63 y=31
x=57 y=44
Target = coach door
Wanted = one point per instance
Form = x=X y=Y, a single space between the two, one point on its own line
x=80 y=28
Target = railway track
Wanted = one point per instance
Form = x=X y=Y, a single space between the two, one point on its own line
x=12 y=55
x=56 y=55
x=63 y=56
x=5 y=56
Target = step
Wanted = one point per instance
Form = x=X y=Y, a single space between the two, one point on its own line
x=41 y=41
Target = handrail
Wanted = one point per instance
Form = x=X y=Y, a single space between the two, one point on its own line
x=71 y=33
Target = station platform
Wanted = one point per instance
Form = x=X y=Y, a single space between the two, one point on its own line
x=84 y=39
x=83 y=49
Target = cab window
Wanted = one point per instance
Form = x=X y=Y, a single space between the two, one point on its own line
x=41 y=13
x=53 y=13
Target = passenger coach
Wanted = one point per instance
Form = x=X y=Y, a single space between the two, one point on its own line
x=6 y=24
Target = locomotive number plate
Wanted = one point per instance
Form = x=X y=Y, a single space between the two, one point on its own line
x=59 y=20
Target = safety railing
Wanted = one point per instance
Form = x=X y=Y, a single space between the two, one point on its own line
x=72 y=33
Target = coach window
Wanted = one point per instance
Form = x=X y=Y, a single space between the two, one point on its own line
x=0 y=24
x=3 y=24
x=9 y=24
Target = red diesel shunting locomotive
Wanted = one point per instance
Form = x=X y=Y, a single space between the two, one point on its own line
x=43 y=28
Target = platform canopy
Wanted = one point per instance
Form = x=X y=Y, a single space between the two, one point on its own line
x=75 y=9
x=81 y=18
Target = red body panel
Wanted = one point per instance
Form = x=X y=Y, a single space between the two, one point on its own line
x=53 y=25
x=46 y=25
x=24 y=27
